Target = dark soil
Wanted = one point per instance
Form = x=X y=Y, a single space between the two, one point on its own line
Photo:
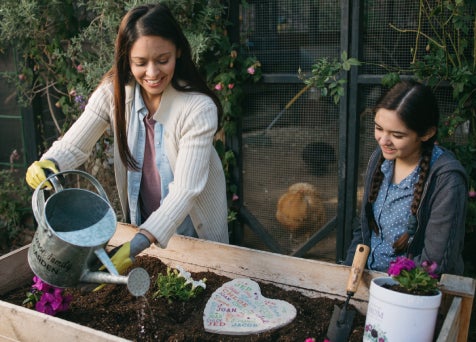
x=115 y=311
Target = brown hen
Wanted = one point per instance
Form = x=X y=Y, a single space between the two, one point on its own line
x=300 y=210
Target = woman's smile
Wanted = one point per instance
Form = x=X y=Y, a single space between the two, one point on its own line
x=153 y=60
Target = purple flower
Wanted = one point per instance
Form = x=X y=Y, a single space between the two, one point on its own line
x=430 y=268
x=52 y=299
x=40 y=285
x=422 y=279
x=397 y=266
x=43 y=305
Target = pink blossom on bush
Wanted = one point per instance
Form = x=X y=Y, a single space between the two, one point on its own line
x=472 y=194
x=230 y=86
x=218 y=86
x=251 y=70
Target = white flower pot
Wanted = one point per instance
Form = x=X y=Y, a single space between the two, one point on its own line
x=394 y=316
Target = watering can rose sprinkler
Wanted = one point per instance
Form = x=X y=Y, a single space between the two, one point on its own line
x=74 y=226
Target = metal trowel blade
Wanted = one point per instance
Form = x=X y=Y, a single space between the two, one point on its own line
x=339 y=329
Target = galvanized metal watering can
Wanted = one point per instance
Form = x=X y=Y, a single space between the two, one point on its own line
x=74 y=226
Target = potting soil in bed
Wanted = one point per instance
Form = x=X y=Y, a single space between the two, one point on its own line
x=115 y=311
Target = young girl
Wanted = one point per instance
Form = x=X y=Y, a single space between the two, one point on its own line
x=415 y=191
x=168 y=175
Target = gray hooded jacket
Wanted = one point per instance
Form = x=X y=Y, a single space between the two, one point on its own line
x=439 y=236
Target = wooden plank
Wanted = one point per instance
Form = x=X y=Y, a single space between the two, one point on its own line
x=14 y=269
x=311 y=277
x=451 y=326
x=458 y=286
x=20 y=324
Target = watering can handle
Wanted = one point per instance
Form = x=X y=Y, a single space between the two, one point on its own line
x=38 y=198
x=52 y=177
x=58 y=187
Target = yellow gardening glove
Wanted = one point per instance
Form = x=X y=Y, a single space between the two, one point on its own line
x=121 y=259
x=124 y=256
x=36 y=173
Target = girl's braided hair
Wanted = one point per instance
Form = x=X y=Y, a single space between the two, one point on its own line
x=416 y=106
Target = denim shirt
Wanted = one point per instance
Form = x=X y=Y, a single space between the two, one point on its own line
x=136 y=141
x=391 y=212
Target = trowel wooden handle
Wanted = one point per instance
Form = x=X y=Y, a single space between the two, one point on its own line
x=358 y=266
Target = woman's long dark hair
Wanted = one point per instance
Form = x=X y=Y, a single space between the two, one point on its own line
x=416 y=105
x=151 y=20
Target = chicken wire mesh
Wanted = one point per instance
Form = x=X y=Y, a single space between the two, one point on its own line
x=300 y=148
x=299 y=145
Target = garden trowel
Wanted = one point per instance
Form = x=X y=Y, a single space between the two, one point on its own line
x=341 y=321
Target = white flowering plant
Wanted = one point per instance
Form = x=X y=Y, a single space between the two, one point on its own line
x=178 y=284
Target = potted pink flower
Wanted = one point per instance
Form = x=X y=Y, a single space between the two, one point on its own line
x=403 y=306
x=420 y=280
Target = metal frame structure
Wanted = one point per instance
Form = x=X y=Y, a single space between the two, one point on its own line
x=348 y=142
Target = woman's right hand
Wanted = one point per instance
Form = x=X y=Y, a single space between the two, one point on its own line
x=36 y=174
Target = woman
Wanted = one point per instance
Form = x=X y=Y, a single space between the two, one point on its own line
x=168 y=175
x=415 y=192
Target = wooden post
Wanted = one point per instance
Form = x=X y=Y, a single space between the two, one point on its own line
x=457 y=286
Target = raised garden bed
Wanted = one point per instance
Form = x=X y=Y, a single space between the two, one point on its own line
x=310 y=277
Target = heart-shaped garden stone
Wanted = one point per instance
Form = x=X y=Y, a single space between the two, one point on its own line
x=238 y=308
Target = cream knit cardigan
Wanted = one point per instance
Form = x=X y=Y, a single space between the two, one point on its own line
x=199 y=187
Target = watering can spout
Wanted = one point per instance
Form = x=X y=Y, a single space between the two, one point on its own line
x=137 y=281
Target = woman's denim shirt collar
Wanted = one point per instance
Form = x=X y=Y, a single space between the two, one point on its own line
x=136 y=141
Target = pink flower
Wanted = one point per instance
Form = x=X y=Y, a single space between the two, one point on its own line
x=22 y=77
x=472 y=194
x=430 y=268
x=311 y=339
x=251 y=70
x=218 y=86
x=52 y=299
x=230 y=86
x=51 y=303
x=40 y=285
x=397 y=266
x=43 y=305
x=235 y=197
x=80 y=68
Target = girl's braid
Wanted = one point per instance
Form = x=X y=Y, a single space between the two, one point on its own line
x=374 y=189
x=401 y=244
